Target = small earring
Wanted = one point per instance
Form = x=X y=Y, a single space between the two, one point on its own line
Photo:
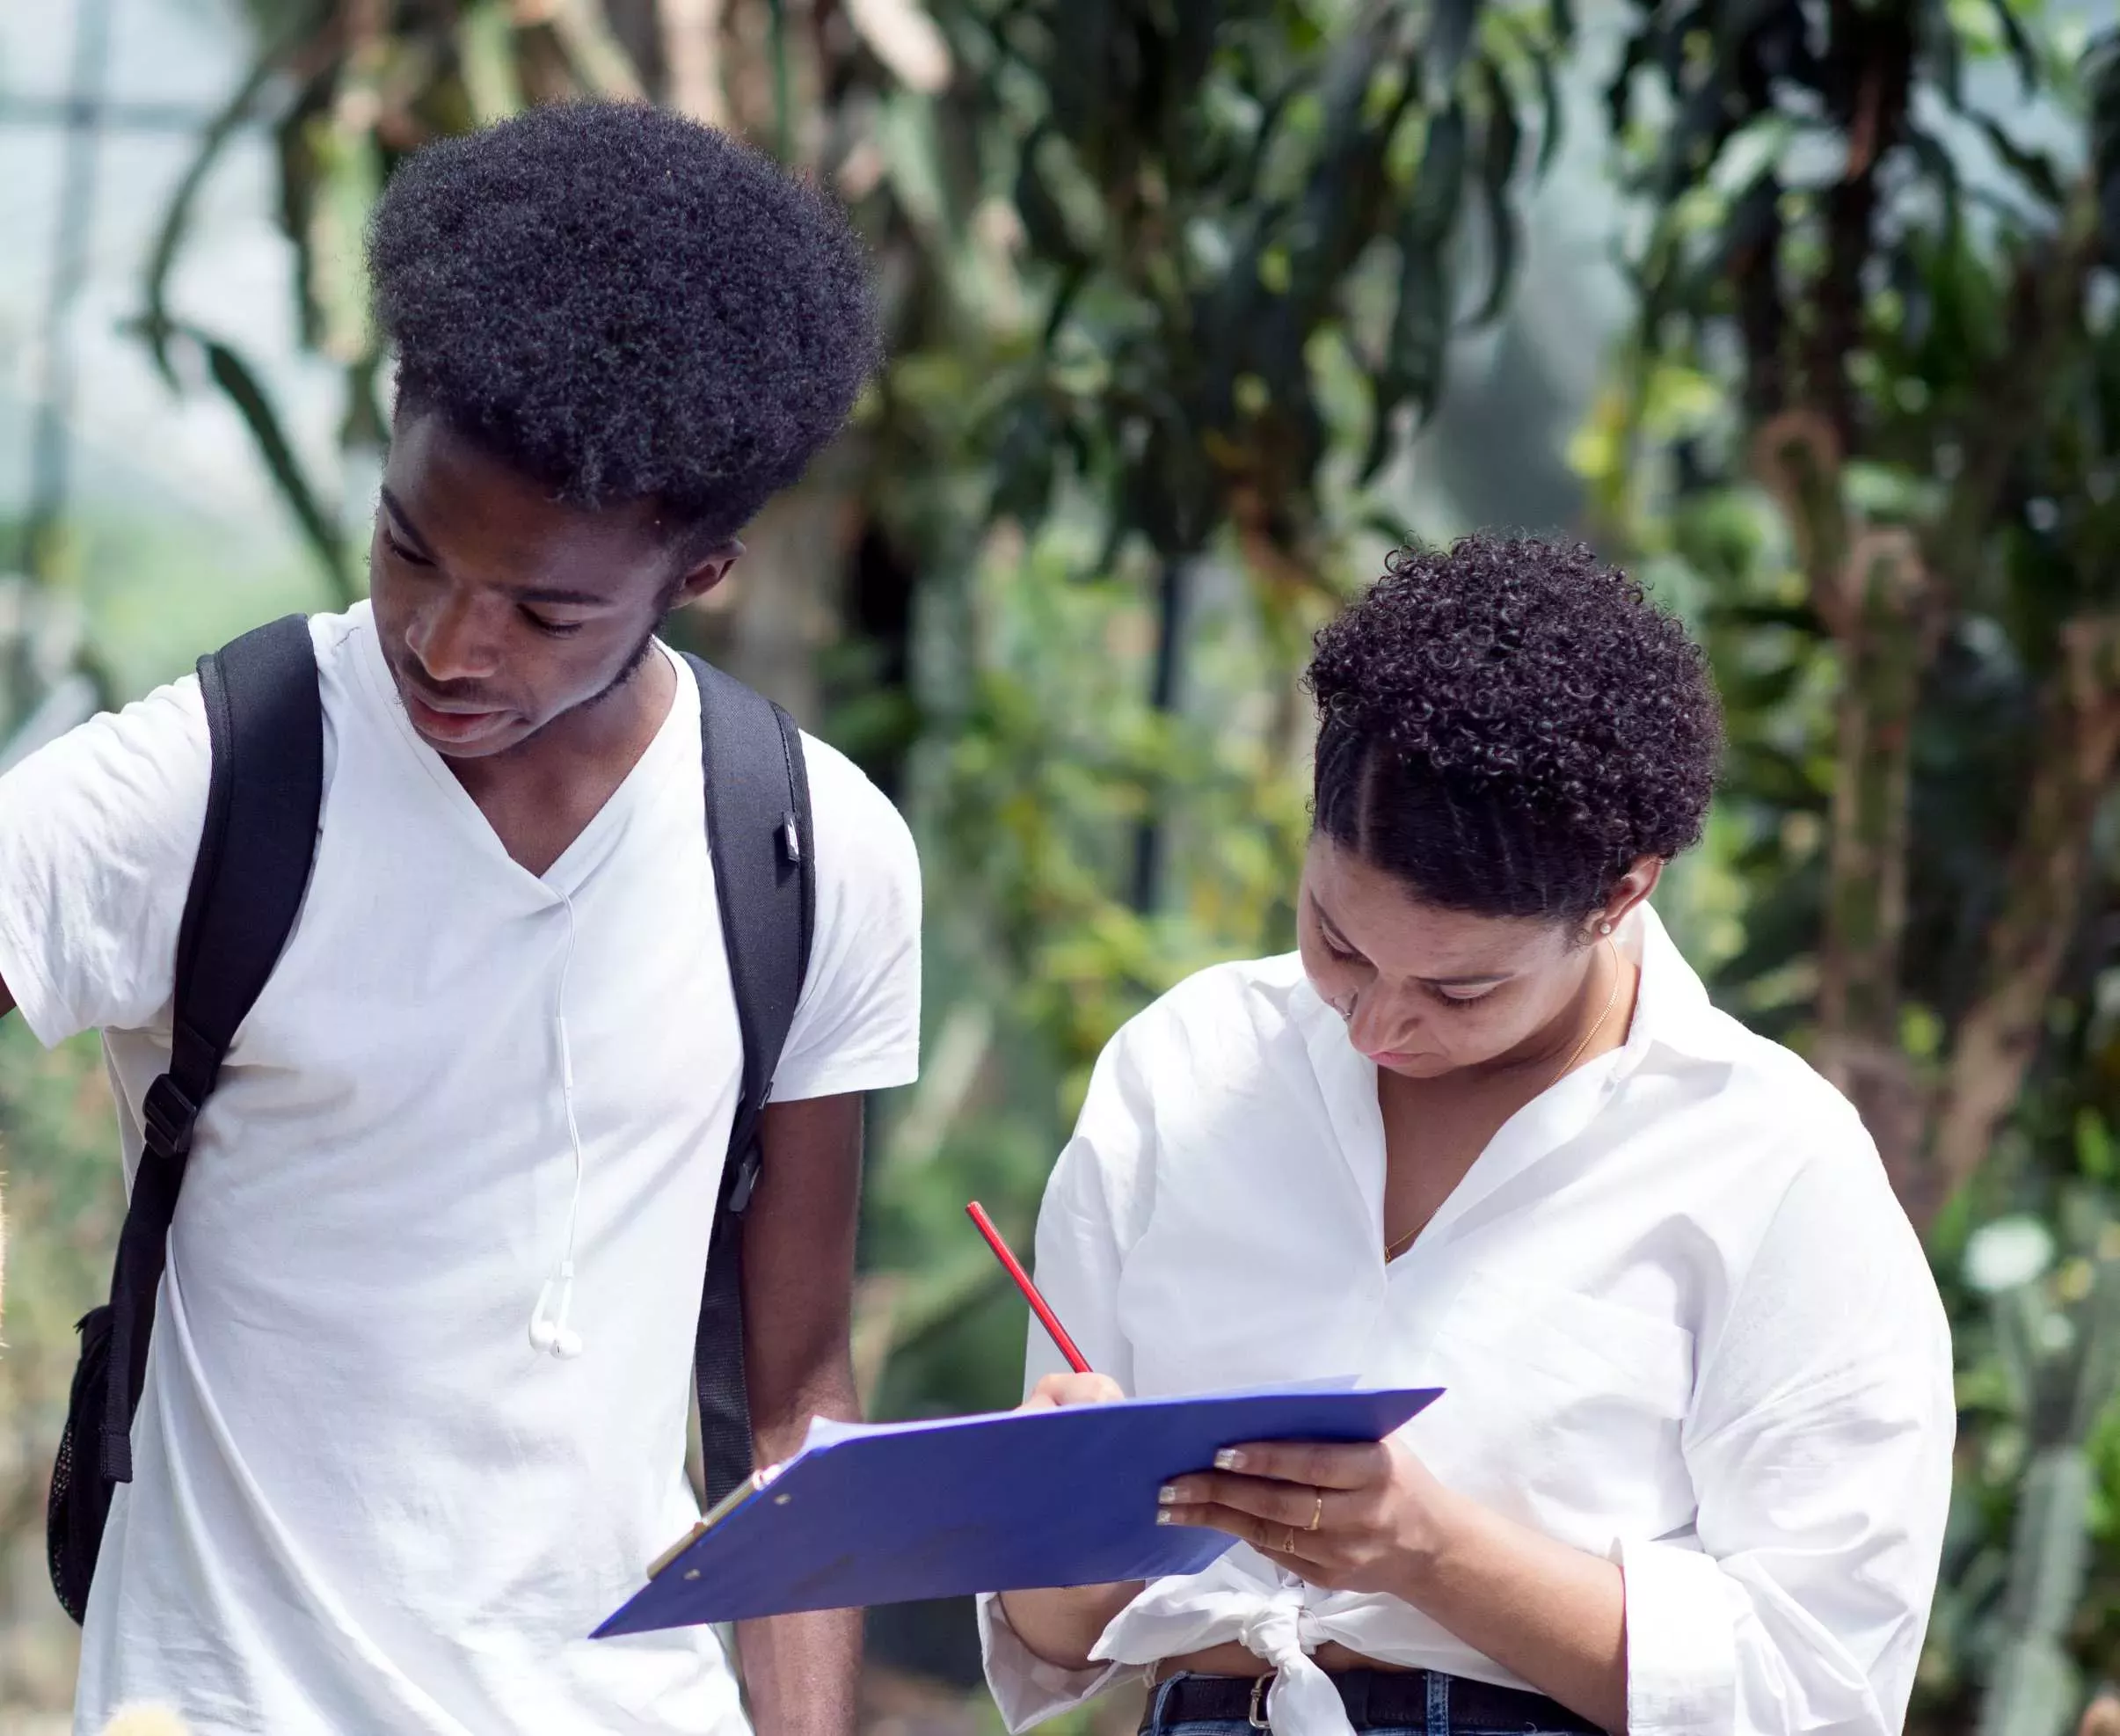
x=1604 y=928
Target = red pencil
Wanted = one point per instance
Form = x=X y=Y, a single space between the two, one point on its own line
x=1047 y=1318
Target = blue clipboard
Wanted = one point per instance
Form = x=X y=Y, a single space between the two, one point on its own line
x=869 y=1515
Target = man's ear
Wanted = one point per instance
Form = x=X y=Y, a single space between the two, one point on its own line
x=707 y=571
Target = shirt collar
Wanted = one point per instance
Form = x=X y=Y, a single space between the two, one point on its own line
x=1671 y=1011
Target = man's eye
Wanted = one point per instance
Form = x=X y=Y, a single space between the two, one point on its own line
x=403 y=553
x=558 y=629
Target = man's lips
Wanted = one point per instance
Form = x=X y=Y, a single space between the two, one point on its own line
x=446 y=723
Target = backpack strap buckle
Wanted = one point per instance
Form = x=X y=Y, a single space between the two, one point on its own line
x=167 y=1118
x=747 y=1179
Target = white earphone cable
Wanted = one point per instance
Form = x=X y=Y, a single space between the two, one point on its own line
x=552 y=1333
x=566 y=1086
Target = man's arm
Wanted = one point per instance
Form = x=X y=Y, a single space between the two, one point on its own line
x=801 y=1671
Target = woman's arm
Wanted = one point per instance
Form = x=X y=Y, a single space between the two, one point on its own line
x=1058 y=1626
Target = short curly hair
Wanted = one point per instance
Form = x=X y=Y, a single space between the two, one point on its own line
x=625 y=305
x=1508 y=725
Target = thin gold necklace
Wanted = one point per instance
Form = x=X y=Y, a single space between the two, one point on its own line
x=1393 y=1250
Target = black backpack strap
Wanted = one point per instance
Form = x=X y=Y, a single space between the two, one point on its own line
x=765 y=879
x=265 y=721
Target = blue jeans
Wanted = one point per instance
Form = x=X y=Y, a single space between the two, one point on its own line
x=1438 y=1722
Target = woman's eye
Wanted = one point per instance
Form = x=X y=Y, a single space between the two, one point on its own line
x=1460 y=998
x=558 y=629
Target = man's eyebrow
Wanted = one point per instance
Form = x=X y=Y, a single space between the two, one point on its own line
x=558 y=595
x=396 y=508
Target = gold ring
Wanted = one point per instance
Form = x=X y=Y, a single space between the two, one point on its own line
x=1288 y=1548
x=1317 y=1517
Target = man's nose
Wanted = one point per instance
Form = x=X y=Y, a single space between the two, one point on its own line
x=452 y=641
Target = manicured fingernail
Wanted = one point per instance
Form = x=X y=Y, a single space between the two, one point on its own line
x=1164 y=1516
x=1229 y=1459
x=1167 y=1494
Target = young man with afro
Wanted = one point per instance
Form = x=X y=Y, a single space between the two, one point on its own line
x=364 y=1499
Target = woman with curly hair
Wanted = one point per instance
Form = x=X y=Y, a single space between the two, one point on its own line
x=1485 y=1130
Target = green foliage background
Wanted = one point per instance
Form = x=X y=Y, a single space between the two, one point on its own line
x=1172 y=289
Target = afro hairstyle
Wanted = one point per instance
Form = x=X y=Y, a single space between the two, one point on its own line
x=623 y=304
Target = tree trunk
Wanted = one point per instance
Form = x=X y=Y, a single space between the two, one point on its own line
x=2079 y=742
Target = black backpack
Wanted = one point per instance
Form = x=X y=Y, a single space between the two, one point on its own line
x=266 y=725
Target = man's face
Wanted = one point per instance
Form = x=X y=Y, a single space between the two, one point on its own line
x=499 y=610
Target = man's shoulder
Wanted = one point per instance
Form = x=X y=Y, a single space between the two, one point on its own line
x=855 y=822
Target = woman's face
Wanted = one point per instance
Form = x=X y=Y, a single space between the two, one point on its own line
x=1427 y=991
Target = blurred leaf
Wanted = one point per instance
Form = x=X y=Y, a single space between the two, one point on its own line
x=348 y=179
x=1449 y=35
x=593 y=51
x=2021 y=50
x=233 y=375
x=1501 y=140
x=170 y=234
x=486 y=54
x=2101 y=85
x=2031 y=167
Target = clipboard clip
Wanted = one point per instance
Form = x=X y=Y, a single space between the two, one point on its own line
x=714 y=1515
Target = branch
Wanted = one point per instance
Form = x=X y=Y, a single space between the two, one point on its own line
x=1882 y=594
x=2045 y=322
x=1796 y=455
x=1873 y=119
x=2079 y=742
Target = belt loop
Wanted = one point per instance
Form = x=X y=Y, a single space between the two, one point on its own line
x=1159 y=1700
x=1438 y=1703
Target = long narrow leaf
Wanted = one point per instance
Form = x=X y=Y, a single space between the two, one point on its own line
x=2020 y=49
x=1500 y=144
x=2029 y=166
x=2101 y=86
x=595 y=55
x=485 y=57
x=235 y=378
x=213 y=140
x=1449 y=36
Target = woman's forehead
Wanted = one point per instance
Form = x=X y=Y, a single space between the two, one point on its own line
x=1403 y=935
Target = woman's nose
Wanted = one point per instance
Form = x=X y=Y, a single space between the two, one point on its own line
x=1377 y=1022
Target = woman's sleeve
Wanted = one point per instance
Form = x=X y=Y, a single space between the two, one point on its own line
x=1821 y=1448
x=1096 y=1204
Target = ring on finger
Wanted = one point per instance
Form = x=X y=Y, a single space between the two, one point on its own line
x=1317 y=1516
x=1288 y=1548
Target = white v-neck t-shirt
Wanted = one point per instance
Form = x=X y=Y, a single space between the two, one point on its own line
x=1678 y=1318
x=362 y=1500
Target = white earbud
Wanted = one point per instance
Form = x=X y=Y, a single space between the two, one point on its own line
x=549 y=1329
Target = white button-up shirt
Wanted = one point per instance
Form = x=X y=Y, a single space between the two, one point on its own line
x=1680 y=1319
